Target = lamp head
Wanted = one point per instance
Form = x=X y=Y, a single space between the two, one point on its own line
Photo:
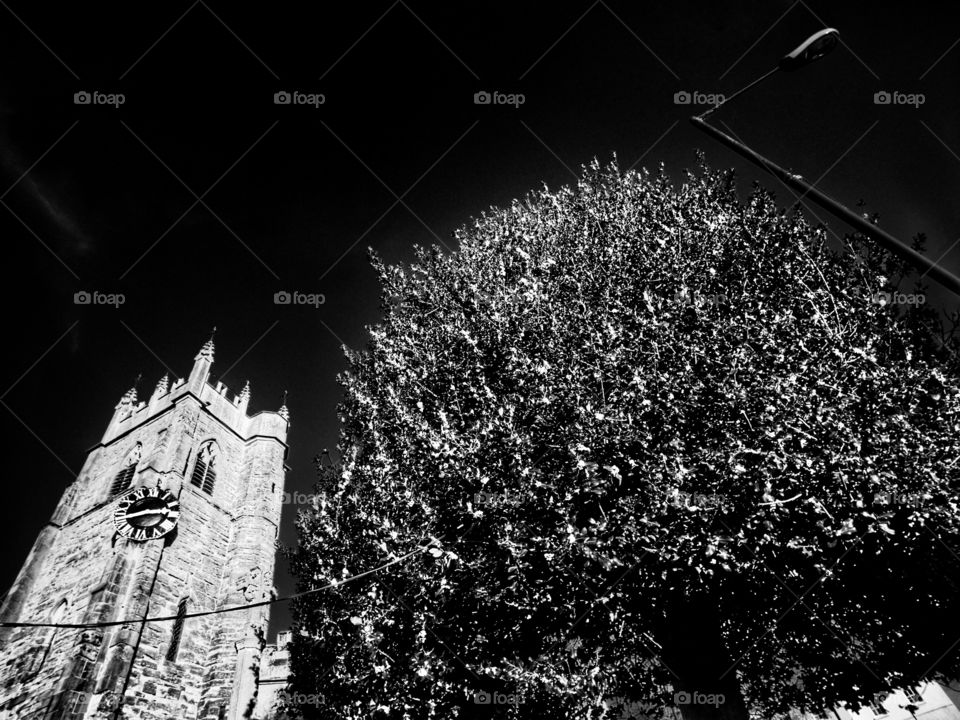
x=811 y=49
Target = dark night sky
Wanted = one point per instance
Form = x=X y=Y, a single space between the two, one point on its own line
x=105 y=199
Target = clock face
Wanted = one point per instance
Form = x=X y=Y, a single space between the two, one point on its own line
x=146 y=514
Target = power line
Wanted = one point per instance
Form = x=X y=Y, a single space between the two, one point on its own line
x=235 y=608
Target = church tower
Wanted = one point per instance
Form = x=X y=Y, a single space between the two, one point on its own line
x=176 y=511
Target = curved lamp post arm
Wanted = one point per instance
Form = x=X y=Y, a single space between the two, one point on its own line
x=810 y=50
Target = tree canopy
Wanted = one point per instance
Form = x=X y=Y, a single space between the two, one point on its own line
x=661 y=441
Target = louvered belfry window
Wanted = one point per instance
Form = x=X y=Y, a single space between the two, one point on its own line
x=204 y=470
x=122 y=480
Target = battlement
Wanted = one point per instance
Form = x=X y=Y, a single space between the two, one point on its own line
x=229 y=409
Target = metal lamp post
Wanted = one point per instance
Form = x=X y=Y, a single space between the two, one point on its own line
x=812 y=49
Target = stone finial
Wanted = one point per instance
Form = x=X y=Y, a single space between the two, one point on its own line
x=163 y=387
x=283 y=411
x=130 y=398
x=202 y=363
x=245 y=394
x=206 y=352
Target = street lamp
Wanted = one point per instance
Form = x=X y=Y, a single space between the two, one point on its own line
x=812 y=49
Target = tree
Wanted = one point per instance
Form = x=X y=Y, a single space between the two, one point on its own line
x=664 y=449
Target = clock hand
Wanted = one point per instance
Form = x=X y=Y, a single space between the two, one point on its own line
x=164 y=511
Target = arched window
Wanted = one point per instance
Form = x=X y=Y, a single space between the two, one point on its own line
x=122 y=479
x=205 y=469
x=177 y=631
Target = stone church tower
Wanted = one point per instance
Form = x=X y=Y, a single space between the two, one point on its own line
x=176 y=511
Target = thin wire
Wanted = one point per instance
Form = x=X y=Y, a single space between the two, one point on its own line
x=114 y=623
